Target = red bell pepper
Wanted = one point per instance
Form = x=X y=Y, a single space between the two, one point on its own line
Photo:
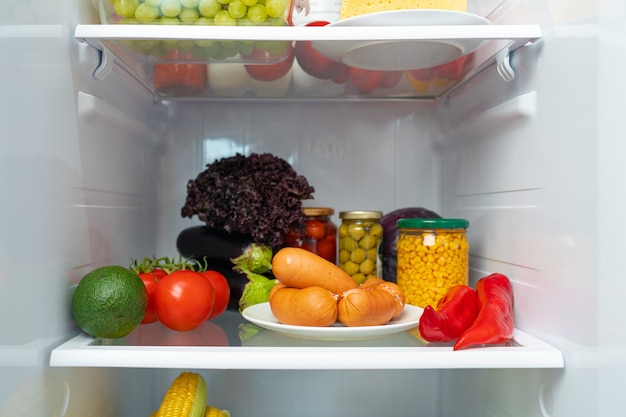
x=494 y=323
x=455 y=313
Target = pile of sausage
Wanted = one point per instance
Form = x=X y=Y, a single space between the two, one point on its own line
x=315 y=292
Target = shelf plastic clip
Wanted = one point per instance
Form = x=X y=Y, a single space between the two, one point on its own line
x=105 y=66
x=503 y=65
x=91 y=56
x=301 y=5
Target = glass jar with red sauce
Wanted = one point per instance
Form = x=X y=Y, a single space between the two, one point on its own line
x=320 y=233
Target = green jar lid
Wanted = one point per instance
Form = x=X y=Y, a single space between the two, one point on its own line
x=432 y=223
x=361 y=215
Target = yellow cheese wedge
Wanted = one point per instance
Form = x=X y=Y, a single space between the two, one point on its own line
x=351 y=8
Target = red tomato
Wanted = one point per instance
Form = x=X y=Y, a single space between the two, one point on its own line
x=150 y=280
x=314 y=63
x=222 y=292
x=327 y=248
x=451 y=70
x=342 y=76
x=270 y=72
x=391 y=79
x=183 y=300
x=365 y=81
x=159 y=272
x=315 y=229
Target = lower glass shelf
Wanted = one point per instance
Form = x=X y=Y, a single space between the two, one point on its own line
x=230 y=342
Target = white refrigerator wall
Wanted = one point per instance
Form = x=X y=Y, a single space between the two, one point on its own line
x=86 y=182
x=358 y=156
x=77 y=194
x=543 y=193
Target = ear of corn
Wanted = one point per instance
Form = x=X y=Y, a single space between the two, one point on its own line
x=216 y=412
x=186 y=397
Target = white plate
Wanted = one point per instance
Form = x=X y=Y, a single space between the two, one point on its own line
x=404 y=54
x=261 y=315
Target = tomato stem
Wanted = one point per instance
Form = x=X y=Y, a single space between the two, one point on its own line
x=164 y=263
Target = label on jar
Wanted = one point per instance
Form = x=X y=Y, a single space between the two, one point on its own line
x=429 y=239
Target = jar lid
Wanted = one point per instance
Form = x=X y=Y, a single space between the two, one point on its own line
x=361 y=215
x=432 y=223
x=318 y=211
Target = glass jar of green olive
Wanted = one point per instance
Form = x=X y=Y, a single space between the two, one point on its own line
x=359 y=237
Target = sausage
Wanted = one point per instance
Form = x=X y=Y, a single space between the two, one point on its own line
x=311 y=306
x=366 y=307
x=299 y=268
x=275 y=288
x=391 y=287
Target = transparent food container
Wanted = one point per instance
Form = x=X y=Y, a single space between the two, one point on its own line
x=245 y=13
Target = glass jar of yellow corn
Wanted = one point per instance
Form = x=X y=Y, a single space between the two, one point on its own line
x=360 y=235
x=432 y=257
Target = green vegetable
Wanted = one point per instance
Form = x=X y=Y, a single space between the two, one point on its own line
x=256 y=291
x=255 y=261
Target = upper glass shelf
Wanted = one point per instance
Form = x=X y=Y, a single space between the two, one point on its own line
x=335 y=61
x=522 y=33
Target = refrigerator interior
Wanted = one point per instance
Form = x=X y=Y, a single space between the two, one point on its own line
x=94 y=173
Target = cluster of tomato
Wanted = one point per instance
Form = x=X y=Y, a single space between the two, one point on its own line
x=179 y=296
x=317 y=65
x=320 y=237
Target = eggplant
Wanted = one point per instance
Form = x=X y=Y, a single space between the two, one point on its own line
x=390 y=235
x=217 y=247
x=200 y=242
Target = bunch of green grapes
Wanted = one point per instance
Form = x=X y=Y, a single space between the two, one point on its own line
x=210 y=50
x=203 y=12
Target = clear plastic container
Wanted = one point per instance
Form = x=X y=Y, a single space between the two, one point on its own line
x=320 y=233
x=432 y=257
x=205 y=13
x=198 y=12
x=360 y=236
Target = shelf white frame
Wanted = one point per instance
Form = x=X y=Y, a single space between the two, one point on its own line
x=519 y=33
x=532 y=353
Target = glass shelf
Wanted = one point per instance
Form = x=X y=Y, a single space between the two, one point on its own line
x=230 y=342
x=154 y=54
